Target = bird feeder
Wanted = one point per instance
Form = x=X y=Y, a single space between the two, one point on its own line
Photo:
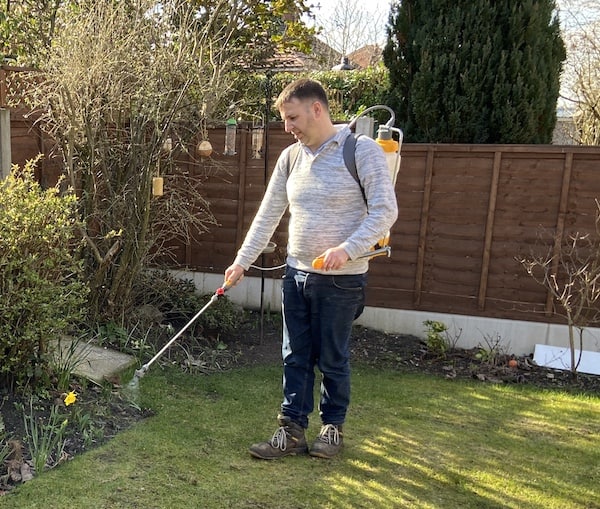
x=230 y=133
x=204 y=148
x=157 y=186
x=258 y=133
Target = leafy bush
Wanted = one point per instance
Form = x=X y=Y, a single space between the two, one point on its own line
x=440 y=339
x=42 y=292
x=5 y=447
x=178 y=301
x=349 y=93
x=436 y=337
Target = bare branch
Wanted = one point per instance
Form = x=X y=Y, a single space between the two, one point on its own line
x=352 y=26
x=575 y=286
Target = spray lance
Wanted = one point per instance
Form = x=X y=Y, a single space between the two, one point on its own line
x=139 y=373
x=391 y=148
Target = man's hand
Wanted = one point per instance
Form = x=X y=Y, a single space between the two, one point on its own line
x=333 y=259
x=234 y=274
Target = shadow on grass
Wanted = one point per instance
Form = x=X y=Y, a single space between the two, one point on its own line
x=438 y=443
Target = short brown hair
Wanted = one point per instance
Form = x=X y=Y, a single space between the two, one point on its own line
x=302 y=89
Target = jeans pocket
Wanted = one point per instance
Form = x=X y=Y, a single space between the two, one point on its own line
x=355 y=283
x=350 y=292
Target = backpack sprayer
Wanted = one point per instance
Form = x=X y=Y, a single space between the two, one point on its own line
x=391 y=148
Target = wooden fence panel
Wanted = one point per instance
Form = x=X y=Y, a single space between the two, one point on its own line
x=521 y=209
x=392 y=281
x=466 y=213
x=27 y=142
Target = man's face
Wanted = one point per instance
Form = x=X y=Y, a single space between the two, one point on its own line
x=299 y=119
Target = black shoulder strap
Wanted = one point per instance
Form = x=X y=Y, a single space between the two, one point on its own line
x=350 y=160
x=350 y=156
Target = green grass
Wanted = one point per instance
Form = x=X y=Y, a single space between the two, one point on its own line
x=412 y=441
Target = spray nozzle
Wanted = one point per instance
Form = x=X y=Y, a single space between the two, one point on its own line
x=226 y=286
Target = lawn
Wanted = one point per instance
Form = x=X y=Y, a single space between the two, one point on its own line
x=412 y=440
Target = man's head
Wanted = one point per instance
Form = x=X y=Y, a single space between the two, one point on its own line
x=304 y=108
x=304 y=90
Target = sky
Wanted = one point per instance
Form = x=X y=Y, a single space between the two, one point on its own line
x=574 y=7
x=374 y=6
x=371 y=5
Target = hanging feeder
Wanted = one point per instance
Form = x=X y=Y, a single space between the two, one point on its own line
x=230 y=132
x=258 y=133
x=204 y=148
x=167 y=146
x=157 y=186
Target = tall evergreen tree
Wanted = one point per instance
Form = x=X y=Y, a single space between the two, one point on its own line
x=475 y=71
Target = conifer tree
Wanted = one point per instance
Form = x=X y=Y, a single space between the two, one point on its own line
x=475 y=71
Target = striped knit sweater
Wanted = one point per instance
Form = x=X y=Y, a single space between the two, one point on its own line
x=326 y=205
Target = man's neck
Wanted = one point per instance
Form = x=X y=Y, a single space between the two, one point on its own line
x=326 y=134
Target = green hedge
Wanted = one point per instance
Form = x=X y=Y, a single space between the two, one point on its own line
x=349 y=92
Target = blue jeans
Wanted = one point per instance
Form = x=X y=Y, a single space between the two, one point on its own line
x=318 y=311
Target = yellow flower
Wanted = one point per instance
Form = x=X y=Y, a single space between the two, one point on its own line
x=70 y=398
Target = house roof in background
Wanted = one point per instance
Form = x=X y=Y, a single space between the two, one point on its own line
x=290 y=61
x=366 y=56
x=322 y=57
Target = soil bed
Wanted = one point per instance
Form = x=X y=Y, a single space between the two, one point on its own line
x=404 y=352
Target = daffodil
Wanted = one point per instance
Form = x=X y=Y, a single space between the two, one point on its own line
x=70 y=398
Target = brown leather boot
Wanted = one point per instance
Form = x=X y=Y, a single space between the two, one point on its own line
x=288 y=440
x=329 y=442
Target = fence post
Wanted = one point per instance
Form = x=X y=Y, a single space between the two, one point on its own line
x=425 y=209
x=489 y=231
x=563 y=208
x=5 y=149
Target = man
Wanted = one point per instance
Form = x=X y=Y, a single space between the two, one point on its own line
x=329 y=217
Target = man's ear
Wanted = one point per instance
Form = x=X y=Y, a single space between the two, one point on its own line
x=317 y=108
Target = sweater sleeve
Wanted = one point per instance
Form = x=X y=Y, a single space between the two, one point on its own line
x=270 y=212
